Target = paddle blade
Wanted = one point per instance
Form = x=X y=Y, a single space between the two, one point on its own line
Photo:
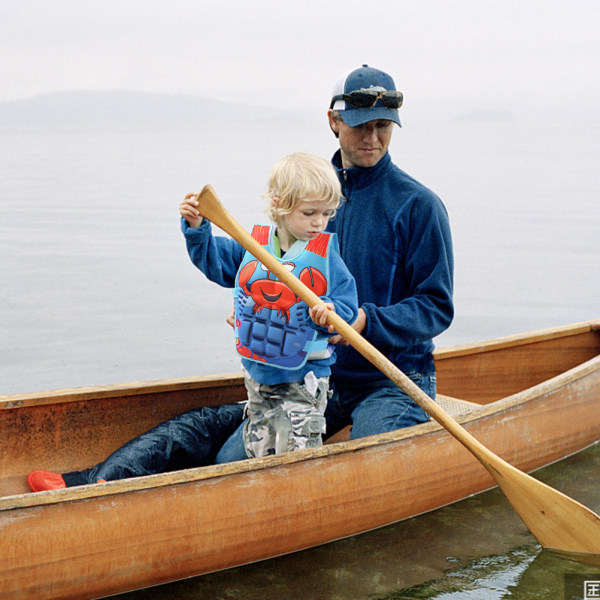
x=557 y=521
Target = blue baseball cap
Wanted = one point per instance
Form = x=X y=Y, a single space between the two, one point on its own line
x=366 y=94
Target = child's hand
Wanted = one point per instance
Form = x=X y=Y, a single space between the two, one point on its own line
x=318 y=314
x=188 y=210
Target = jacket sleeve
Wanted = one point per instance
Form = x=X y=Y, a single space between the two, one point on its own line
x=217 y=257
x=426 y=308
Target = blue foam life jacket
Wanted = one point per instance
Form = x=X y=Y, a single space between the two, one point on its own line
x=271 y=324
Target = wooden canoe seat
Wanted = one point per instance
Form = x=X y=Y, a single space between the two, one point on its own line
x=455 y=406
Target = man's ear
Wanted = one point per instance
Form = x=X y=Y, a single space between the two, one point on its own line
x=333 y=122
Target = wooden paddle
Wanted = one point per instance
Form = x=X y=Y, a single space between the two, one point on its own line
x=557 y=521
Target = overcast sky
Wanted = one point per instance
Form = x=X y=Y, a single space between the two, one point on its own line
x=468 y=54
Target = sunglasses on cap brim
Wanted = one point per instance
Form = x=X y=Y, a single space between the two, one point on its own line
x=368 y=98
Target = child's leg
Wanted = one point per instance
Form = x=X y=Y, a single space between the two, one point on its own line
x=266 y=424
x=285 y=417
x=306 y=406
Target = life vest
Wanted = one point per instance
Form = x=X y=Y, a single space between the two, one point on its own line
x=271 y=324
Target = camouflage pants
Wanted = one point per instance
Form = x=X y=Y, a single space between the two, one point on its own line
x=284 y=417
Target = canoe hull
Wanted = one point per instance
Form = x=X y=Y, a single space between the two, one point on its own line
x=96 y=540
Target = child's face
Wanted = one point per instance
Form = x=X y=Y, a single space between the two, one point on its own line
x=307 y=220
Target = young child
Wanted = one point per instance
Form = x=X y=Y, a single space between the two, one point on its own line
x=286 y=357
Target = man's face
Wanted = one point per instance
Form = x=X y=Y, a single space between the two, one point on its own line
x=364 y=145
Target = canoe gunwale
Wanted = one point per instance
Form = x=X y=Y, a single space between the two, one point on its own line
x=136 y=388
x=520 y=339
x=198 y=474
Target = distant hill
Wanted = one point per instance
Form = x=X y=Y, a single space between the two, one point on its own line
x=127 y=111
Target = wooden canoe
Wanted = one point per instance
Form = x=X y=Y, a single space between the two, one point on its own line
x=532 y=399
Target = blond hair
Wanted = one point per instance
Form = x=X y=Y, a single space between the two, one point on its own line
x=297 y=177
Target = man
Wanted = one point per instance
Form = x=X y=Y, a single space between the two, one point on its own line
x=395 y=239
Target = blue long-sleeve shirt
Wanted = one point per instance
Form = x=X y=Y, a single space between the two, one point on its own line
x=219 y=258
x=394 y=237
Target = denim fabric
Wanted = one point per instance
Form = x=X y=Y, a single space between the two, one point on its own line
x=193 y=438
x=233 y=449
x=188 y=440
x=377 y=408
x=370 y=409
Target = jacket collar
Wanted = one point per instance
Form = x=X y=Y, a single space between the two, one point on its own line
x=359 y=177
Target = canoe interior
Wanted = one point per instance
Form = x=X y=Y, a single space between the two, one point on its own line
x=489 y=371
x=74 y=429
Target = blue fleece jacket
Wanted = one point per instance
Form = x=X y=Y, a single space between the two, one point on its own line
x=219 y=258
x=395 y=239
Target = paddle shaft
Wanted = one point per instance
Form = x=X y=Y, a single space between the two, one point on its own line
x=545 y=511
x=211 y=208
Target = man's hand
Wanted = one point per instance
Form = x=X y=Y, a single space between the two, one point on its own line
x=231 y=318
x=358 y=326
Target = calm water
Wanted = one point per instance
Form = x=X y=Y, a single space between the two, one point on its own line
x=96 y=288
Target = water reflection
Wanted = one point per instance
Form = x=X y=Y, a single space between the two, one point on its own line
x=484 y=578
x=527 y=573
x=545 y=577
x=477 y=549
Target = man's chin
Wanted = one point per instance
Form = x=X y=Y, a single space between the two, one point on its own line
x=369 y=159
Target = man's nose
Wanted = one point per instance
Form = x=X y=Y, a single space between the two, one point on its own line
x=370 y=133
